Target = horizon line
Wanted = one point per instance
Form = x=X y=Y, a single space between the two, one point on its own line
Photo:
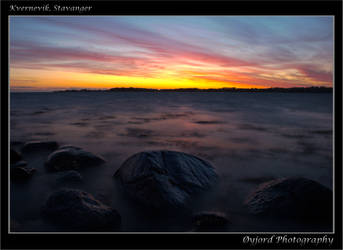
x=170 y=89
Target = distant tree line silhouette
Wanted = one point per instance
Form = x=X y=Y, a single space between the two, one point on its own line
x=254 y=90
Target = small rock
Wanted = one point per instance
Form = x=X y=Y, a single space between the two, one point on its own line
x=14 y=156
x=19 y=164
x=39 y=145
x=210 y=221
x=165 y=178
x=77 y=210
x=69 y=176
x=21 y=173
x=295 y=198
x=69 y=158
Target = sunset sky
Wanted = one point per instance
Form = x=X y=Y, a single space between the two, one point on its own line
x=49 y=53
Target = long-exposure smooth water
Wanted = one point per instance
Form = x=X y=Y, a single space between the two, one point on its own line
x=249 y=138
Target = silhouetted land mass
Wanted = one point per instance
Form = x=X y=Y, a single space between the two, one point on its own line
x=254 y=90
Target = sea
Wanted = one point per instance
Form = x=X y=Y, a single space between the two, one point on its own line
x=249 y=138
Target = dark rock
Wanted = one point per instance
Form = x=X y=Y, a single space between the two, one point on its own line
x=19 y=164
x=165 y=178
x=69 y=176
x=297 y=198
x=69 y=157
x=210 y=221
x=77 y=210
x=21 y=173
x=39 y=145
x=14 y=156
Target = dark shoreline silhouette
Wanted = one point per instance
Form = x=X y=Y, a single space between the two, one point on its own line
x=254 y=90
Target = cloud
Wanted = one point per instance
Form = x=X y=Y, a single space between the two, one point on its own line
x=315 y=73
x=260 y=53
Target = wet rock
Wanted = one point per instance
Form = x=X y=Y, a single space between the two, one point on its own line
x=70 y=157
x=14 y=156
x=297 y=198
x=165 y=178
x=19 y=164
x=70 y=176
x=210 y=221
x=22 y=173
x=34 y=146
x=77 y=210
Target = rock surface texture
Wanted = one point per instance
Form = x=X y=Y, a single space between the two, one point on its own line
x=69 y=158
x=297 y=198
x=77 y=210
x=165 y=178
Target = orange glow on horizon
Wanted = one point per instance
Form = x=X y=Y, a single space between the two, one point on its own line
x=65 y=80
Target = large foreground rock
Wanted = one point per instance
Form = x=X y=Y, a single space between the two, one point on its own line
x=77 y=210
x=69 y=158
x=296 y=198
x=165 y=178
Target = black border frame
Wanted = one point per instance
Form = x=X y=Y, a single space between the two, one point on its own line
x=169 y=241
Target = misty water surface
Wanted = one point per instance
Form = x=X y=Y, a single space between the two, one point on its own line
x=248 y=137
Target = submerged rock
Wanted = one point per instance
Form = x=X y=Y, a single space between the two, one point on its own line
x=22 y=173
x=14 y=156
x=165 y=178
x=69 y=158
x=69 y=176
x=77 y=210
x=39 y=145
x=297 y=198
x=210 y=221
